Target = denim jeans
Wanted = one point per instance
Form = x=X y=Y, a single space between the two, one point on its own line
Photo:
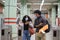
x=26 y=35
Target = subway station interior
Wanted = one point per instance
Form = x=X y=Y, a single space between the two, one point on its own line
x=11 y=10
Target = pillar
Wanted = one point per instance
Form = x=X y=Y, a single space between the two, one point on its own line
x=23 y=8
x=59 y=13
x=49 y=16
x=28 y=10
x=0 y=28
x=49 y=36
x=10 y=16
x=53 y=16
x=59 y=9
x=23 y=11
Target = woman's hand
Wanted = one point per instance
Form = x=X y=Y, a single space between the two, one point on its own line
x=26 y=22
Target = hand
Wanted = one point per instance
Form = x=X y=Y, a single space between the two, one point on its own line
x=39 y=25
x=40 y=31
x=27 y=23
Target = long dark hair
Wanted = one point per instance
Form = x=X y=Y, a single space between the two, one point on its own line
x=29 y=19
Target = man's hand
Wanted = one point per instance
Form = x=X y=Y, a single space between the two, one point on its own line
x=39 y=25
x=40 y=31
x=43 y=29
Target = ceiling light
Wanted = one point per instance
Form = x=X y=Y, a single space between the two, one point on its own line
x=41 y=4
x=3 y=1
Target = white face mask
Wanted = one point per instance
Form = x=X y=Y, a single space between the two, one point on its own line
x=26 y=18
x=35 y=17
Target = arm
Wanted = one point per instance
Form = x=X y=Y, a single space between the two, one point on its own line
x=39 y=25
x=35 y=25
x=43 y=28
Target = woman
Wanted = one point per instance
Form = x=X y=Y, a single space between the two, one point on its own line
x=26 y=20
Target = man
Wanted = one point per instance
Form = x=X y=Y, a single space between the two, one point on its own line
x=39 y=23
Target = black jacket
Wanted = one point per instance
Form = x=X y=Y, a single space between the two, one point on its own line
x=24 y=21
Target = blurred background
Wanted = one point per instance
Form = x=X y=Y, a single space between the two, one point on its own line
x=12 y=12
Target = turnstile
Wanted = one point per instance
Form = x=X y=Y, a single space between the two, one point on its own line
x=6 y=33
x=56 y=35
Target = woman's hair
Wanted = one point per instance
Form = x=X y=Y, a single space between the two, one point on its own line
x=29 y=19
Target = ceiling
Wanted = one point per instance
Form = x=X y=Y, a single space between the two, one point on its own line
x=36 y=1
x=35 y=4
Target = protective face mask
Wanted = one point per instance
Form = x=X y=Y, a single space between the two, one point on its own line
x=35 y=17
x=26 y=18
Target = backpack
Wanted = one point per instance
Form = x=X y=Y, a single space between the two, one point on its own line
x=48 y=30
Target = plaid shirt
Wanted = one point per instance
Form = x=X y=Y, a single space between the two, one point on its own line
x=38 y=21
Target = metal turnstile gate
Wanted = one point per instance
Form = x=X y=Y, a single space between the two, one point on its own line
x=56 y=35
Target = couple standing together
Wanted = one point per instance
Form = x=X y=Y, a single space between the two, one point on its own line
x=38 y=24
